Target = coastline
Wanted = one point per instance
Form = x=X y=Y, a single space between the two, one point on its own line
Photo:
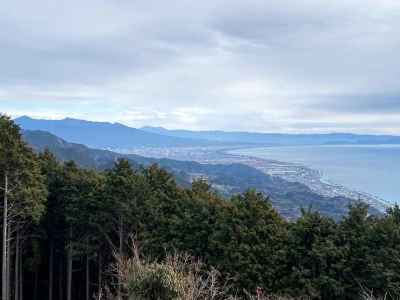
x=312 y=178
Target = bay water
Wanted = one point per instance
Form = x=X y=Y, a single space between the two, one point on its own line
x=373 y=169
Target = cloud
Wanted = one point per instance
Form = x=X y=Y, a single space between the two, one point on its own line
x=234 y=65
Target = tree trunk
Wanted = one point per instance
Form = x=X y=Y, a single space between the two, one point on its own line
x=60 y=281
x=51 y=269
x=16 y=267
x=9 y=263
x=69 y=266
x=87 y=278
x=36 y=281
x=100 y=278
x=4 y=250
x=121 y=236
x=121 y=241
x=21 y=280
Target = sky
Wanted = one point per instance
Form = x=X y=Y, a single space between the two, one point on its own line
x=254 y=65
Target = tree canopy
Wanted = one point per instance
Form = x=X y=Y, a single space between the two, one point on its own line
x=73 y=221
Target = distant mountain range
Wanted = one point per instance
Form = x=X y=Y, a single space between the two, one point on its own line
x=105 y=135
x=116 y=136
x=276 y=139
x=287 y=197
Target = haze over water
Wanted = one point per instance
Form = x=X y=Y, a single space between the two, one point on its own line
x=374 y=169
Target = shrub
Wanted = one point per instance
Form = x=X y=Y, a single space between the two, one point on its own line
x=178 y=277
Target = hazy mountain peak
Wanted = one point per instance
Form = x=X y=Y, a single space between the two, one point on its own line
x=104 y=134
x=121 y=137
x=23 y=118
x=154 y=127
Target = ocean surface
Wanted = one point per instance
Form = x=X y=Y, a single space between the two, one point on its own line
x=373 y=169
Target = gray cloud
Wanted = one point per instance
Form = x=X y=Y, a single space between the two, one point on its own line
x=360 y=104
x=252 y=65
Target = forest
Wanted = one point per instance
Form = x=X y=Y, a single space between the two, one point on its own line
x=71 y=233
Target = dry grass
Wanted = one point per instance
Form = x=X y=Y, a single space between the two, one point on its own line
x=369 y=295
x=260 y=296
x=180 y=277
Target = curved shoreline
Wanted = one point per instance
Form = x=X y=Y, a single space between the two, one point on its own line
x=308 y=176
x=294 y=172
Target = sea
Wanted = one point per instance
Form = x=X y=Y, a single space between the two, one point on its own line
x=372 y=169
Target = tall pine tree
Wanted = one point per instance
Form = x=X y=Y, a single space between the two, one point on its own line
x=23 y=191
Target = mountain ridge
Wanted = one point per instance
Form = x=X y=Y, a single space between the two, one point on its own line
x=117 y=136
x=104 y=135
x=277 y=138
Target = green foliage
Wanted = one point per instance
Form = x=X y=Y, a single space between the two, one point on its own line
x=20 y=165
x=247 y=237
x=311 y=258
x=244 y=237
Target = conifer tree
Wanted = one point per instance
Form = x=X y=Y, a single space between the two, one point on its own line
x=24 y=194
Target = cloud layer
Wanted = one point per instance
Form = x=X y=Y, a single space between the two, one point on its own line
x=287 y=66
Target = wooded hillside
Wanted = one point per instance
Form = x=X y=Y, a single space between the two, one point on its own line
x=63 y=225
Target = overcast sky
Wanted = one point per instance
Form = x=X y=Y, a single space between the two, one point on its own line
x=272 y=66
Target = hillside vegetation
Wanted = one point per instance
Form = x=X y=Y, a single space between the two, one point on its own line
x=67 y=232
x=229 y=179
